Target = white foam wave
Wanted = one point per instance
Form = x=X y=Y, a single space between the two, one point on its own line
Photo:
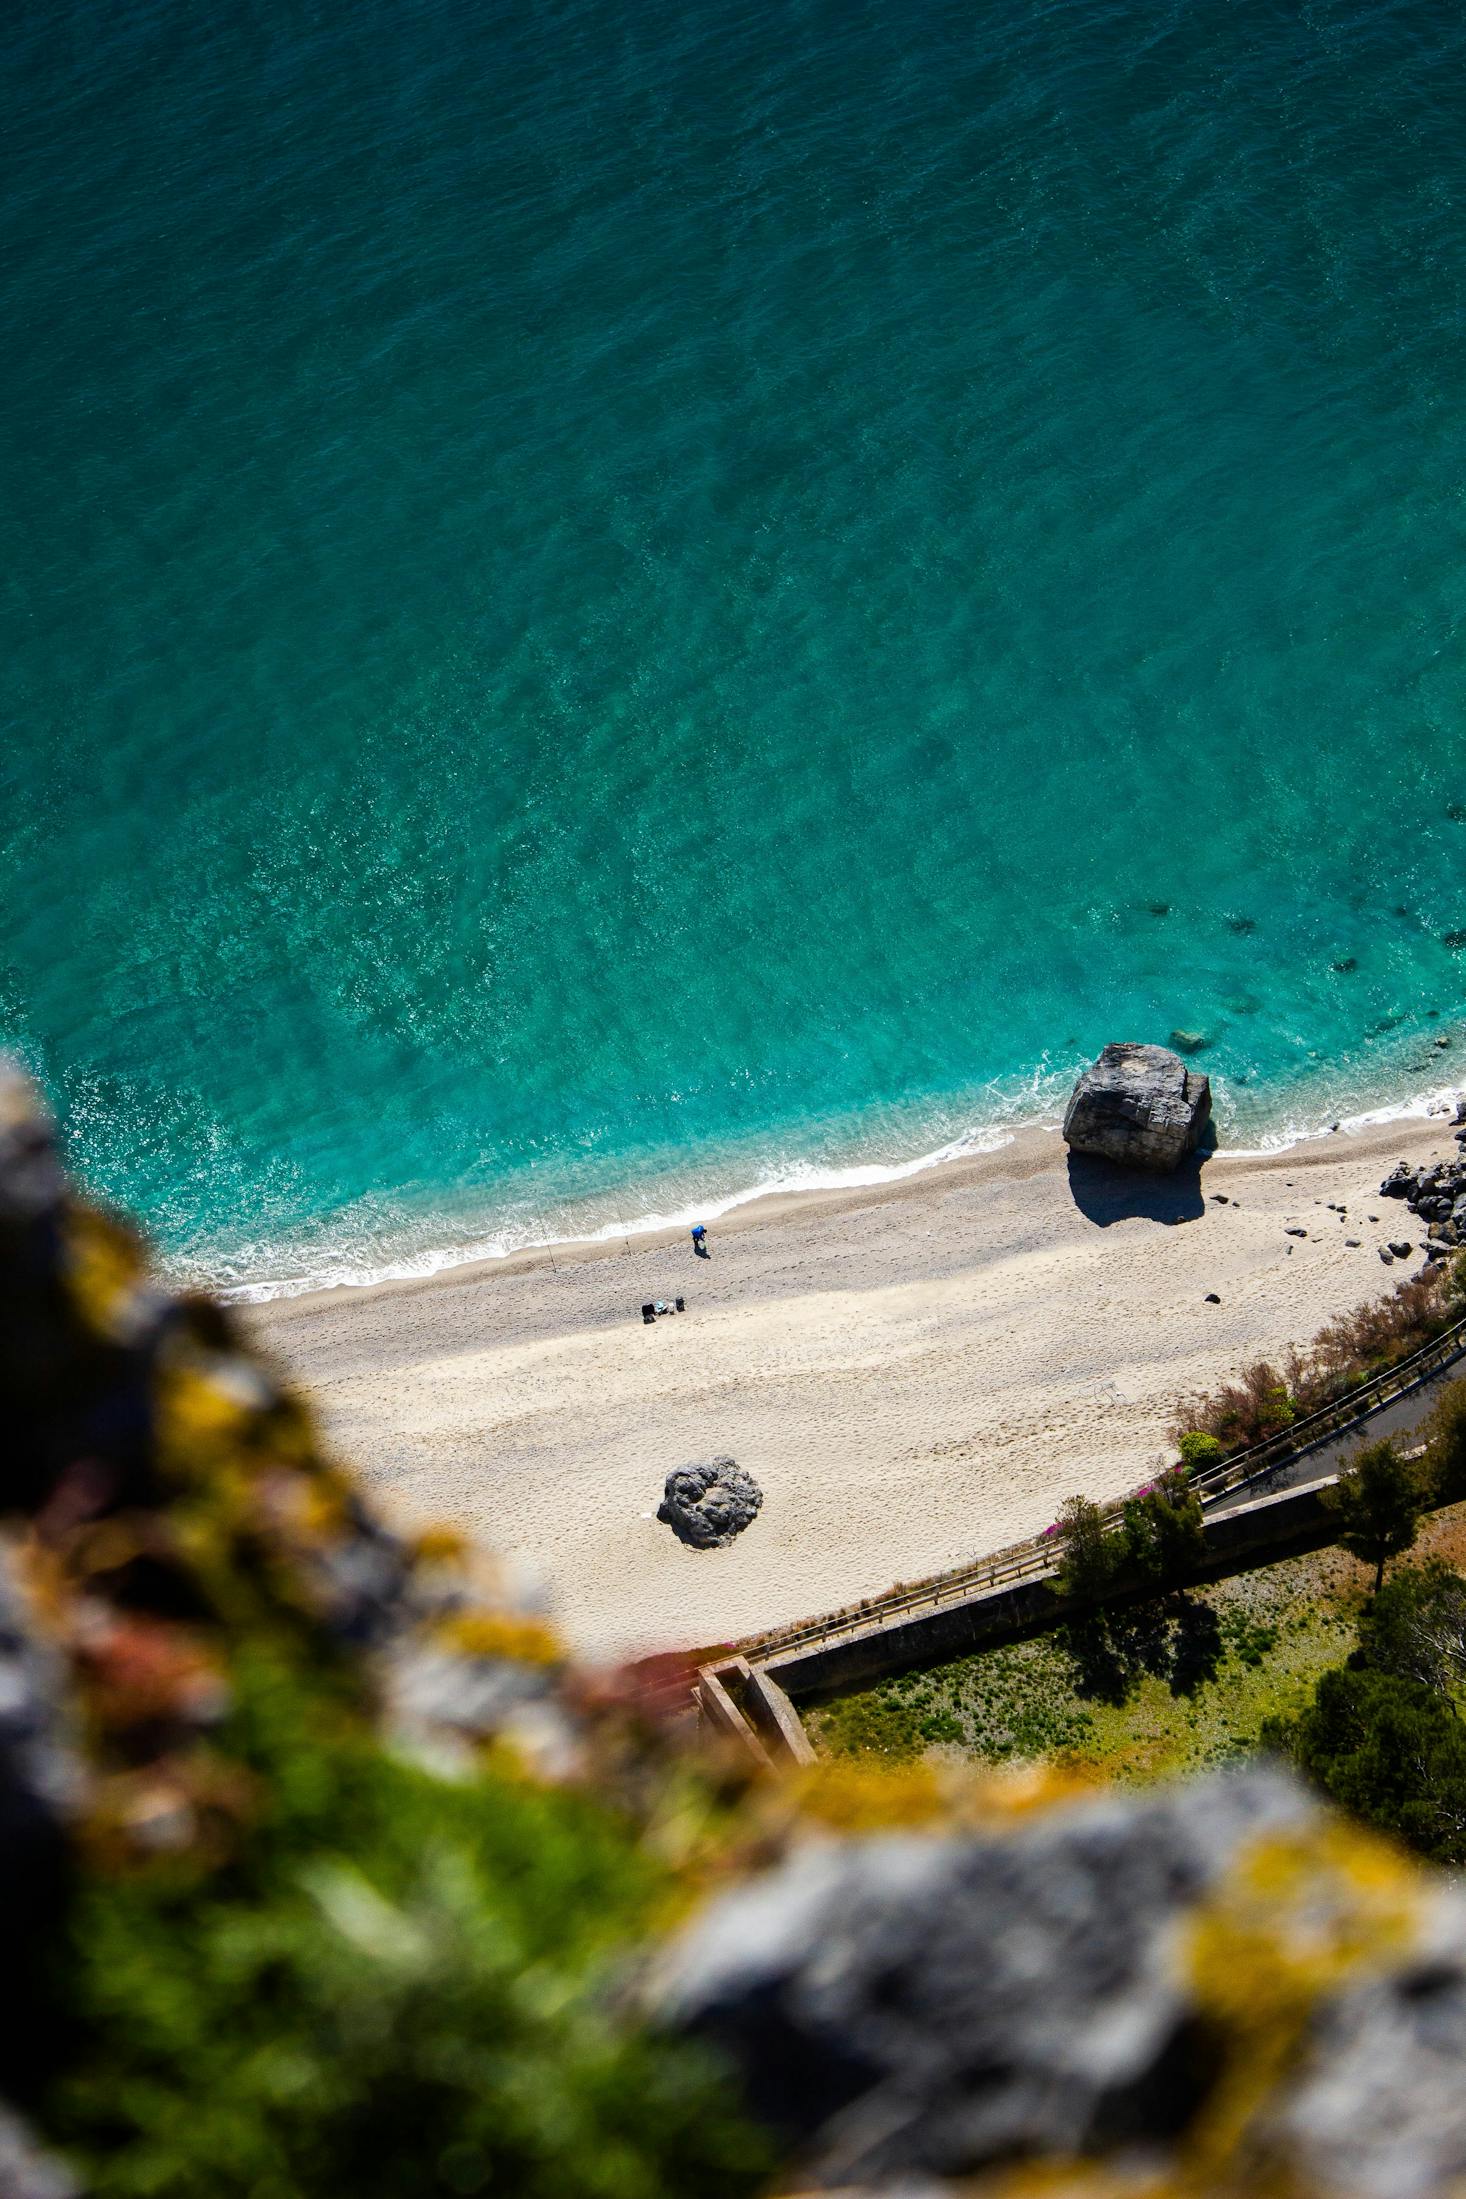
x=341 y=1271
x=1417 y=1108
x=797 y=1177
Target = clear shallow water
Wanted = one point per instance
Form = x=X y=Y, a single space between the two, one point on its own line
x=606 y=605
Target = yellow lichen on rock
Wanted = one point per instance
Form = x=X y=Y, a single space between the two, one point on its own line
x=1293 y=1920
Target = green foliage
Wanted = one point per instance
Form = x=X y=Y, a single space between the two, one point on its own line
x=1164 y=1538
x=1198 y=1449
x=1161 y=1686
x=1091 y=1553
x=1250 y=1641
x=1264 y=1399
x=1015 y=1701
x=1018 y=1703
x=398 y=1987
x=1416 y=1629
x=1390 y=1751
x=880 y=1720
x=1378 y=1500
x=1382 y=1735
x=1445 y=1432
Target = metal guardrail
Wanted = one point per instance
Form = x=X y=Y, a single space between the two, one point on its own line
x=1037 y=1556
x=1316 y=1427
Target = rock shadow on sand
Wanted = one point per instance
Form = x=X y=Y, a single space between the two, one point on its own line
x=1107 y=1192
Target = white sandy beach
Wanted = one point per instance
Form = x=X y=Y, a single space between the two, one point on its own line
x=915 y=1373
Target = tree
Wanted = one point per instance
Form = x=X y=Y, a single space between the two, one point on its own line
x=1445 y=1435
x=1416 y=1629
x=1164 y=1537
x=1378 y=1501
x=1390 y=1751
x=1091 y=1553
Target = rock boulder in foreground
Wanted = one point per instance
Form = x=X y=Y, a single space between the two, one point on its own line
x=1139 y=1105
x=708 y=1504
x=1092 y=1979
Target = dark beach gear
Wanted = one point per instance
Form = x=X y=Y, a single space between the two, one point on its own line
x=652 y=1308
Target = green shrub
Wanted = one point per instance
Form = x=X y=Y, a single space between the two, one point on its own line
x=399 y=1987
x=1198 y=1449
x=1251 y=1641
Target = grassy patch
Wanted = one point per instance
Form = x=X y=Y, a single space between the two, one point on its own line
x=1154 y=1705
x=1013 y=1702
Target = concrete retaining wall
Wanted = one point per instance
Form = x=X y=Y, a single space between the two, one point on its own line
x=743 y=1703
x=715 y=1694
x=774 y=1718
x=1257 y=1533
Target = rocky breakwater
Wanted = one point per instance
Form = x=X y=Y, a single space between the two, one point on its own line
x=1140 y=1106
x=1435 y=1194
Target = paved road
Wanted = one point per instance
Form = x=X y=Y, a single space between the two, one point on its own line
x=1401 y=1418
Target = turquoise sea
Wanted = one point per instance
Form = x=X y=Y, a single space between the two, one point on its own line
x=608 y=603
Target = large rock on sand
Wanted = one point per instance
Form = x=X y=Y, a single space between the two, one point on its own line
x=1140 y=1105
x=708 y=1504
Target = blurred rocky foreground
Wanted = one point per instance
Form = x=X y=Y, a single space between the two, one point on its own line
x=323 y=1872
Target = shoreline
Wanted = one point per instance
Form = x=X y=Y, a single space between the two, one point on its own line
x=916 y=1371
x=842 y=1182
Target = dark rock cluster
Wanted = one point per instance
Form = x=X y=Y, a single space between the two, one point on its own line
x=1436 y=1194
x=707 y=1505
x=1139 y=1105
x=904 y=2007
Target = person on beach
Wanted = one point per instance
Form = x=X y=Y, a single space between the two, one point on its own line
x=699 y=1240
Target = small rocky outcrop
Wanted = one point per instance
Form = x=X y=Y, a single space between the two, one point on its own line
x=1139 y=1105
x=708 y=1505
x=1436 y=1195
